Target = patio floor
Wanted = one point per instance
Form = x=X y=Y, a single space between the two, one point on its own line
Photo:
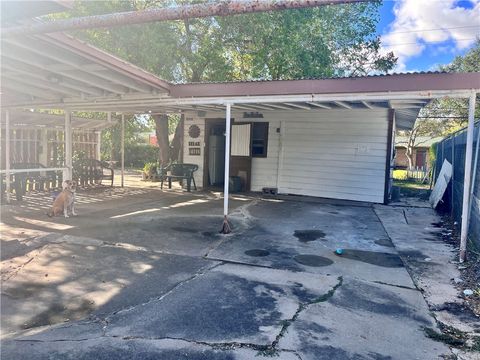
x=143 y=274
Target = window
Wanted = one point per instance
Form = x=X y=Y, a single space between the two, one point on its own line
x=259 y=139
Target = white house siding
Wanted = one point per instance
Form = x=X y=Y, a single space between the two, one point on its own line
x=337 y=154
x=192 y=119
x=265 y=170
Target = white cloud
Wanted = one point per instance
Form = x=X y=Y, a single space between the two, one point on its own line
x=406 y=38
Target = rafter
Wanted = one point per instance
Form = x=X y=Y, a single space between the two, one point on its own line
x=343 y=104
x=304 y=107
x=322 y=106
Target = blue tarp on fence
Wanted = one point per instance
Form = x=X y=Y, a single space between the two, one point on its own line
x=453 y=149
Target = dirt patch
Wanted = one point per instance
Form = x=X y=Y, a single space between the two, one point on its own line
x=313 y=260
x=461 y=310
x=372 y=257
x=308 y=235
x=257 y=252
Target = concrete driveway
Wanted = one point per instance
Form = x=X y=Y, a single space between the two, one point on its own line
x=144 y=274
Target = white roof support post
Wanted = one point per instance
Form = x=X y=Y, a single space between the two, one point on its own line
x=68 y=147
x=99 y=145
x=7 y=154
x=123 y=151
x=467 y=178
x=226 y=227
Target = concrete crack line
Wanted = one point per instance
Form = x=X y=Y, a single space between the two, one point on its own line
x=199 y=273
x=398 y=286
x=267 y=349
x=56 y=340
x=405 y=216
x=240 y=263
x=7 y=276
x=301 y=308
x=214 y=345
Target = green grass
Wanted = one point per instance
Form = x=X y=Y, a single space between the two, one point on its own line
x=410 y=184
x=399 y=174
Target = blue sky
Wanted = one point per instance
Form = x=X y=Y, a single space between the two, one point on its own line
x=426 y=33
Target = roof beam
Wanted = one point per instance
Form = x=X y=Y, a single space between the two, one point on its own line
x=367 y=105
x=304 y=107
x=40 y=83
x=343 y=104
x=220 y=8
x=322 y=106
x=277 y=106
x=57 y=55
x=22 y=68
x=30 y=90
x=86 y=78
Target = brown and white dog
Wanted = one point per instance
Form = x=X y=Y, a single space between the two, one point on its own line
x=65 y=201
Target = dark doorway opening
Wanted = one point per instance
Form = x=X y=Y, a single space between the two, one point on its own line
x=214 y=153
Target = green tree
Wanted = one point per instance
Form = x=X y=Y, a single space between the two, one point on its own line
x=453 y=113
x=316 y=42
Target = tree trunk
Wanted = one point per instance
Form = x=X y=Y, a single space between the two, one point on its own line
x=410 y=146
x=177 y=142
x=161 y=131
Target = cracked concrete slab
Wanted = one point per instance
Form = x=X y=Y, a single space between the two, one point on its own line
x=132 y=270
x=368 y=252
x=70 y=280
x=135 y=349
x=231 y=303
x=365 y=321
x=430 y=261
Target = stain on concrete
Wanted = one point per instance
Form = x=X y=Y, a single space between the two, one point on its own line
x=25 y=290
x=327 y=352
x=357 y=295
x=211 y=234
x=257 y=252
x=308 y=235
x=213 y=316
x=384 y=242
x=184 y=229
x=59 y=312
x=313 y=260
x=374 y=258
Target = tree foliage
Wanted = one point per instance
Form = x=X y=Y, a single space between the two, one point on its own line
x=315 y=42
x=307 y=43
x=455 y=111
x=445 y=116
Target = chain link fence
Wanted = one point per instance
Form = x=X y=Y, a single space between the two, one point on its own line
x=453 y=149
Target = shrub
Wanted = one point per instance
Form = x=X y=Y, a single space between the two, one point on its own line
x=137 y=155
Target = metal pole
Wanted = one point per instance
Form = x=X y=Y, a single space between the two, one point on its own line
x=123 y=150
x=7 y=154
x=227 y=158
x=68 y=146
x=452 y=180
x=219 y=8
x=467 y=178
x=99 y=145
x=474 y=173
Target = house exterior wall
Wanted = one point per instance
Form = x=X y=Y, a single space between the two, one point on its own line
x=337 y=154
x=401 y=160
